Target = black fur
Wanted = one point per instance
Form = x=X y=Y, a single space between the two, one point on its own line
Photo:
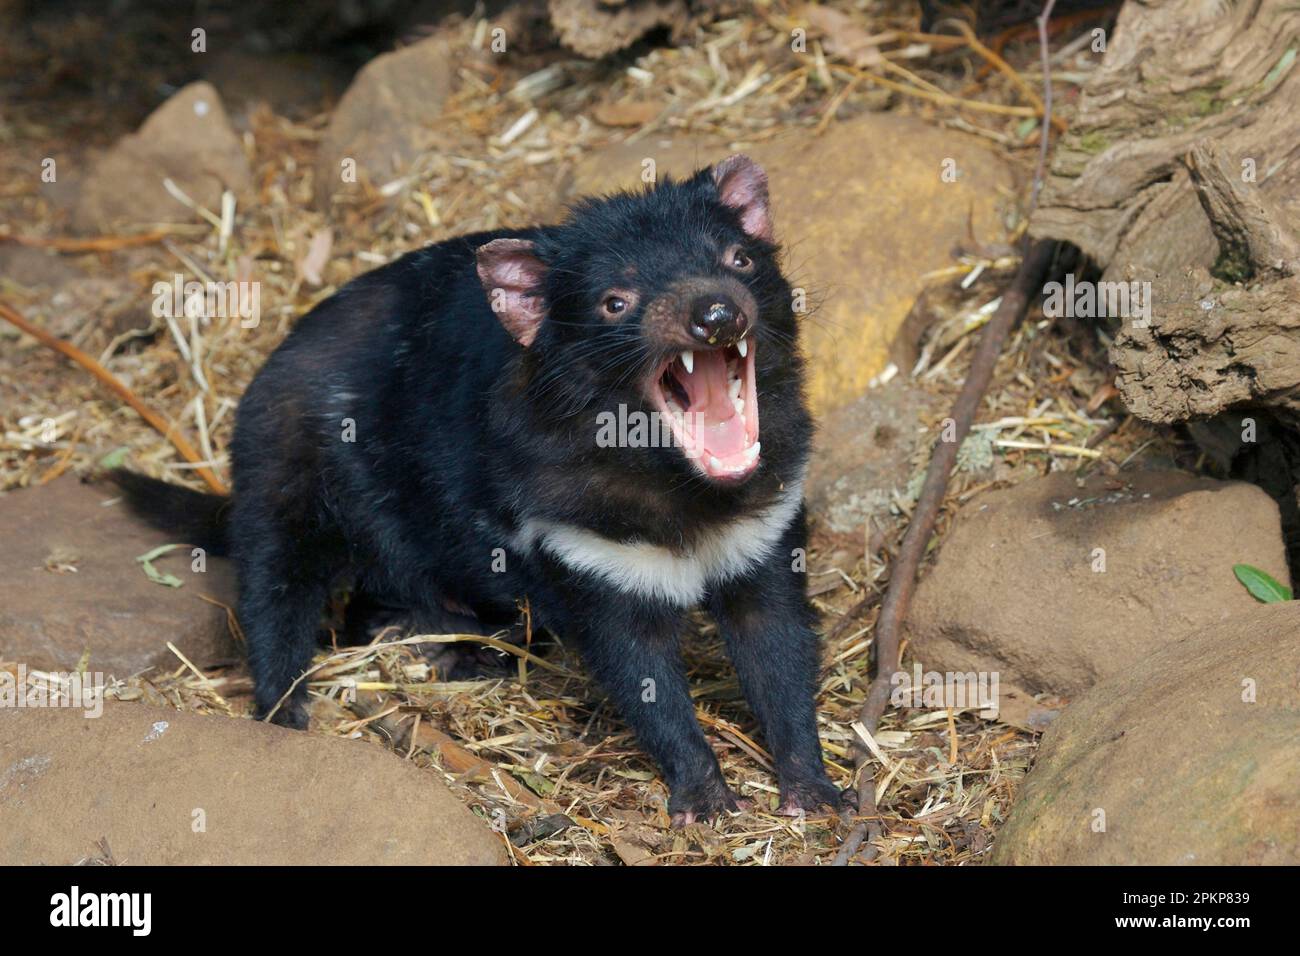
x=461 y=434
x=196 y=518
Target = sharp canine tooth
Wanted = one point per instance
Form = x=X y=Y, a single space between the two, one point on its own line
x=742 y=347
x=734 y=388
x=688 y=359
x=752 y=451
x=714 y=463
x=739 y=406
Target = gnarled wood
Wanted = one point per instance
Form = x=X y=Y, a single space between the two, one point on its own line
x=1182 y=169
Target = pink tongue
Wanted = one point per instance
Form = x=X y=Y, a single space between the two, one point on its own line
x=721 y=432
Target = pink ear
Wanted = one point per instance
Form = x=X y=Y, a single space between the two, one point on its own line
x=511 y=274
x=742 y=184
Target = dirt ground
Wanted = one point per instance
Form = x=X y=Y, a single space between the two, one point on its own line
x=524 y=751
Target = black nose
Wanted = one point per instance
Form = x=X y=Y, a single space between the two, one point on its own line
x=717 y=320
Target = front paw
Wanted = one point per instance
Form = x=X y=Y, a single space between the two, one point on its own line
x=703 y=802
x=806 y=794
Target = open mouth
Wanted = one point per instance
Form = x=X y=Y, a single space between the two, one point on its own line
x=710 y=401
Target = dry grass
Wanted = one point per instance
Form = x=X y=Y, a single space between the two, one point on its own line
x=522 y=752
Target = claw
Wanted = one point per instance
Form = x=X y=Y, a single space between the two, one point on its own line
x=729 y=803
x=808 y=797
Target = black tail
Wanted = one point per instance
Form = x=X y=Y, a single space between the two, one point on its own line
x=193 y=517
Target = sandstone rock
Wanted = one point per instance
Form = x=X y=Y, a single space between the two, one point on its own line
x=161 y=787
x=188 y=140
x=862 y=453
x=292 y=84
x=1190 y=756
x=863 y=213
x=1014 y=590
x=70 y=582
x=385 y=118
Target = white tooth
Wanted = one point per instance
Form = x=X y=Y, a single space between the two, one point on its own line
x=752 y=451
x=715 y=464
x=734 y=388
x=688 y=359
x=742 y=347
x=739 y=406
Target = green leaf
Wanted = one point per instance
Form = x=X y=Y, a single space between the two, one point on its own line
x=152 y=573
x=536 y=783
x=1261 y=585
x=115 y=457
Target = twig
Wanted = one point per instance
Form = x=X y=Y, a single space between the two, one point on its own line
x=94 y=244
x=1104 y=432
x=868 y=601
x=109 y=381
x=1045 y=133
x=1052 y=447
x=834 y=105
x=344 y=657
x=1022 y=31
x=1006 y=69
x=903 y=575
x=945 y=99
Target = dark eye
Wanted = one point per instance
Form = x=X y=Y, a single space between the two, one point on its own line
x=614 y=305
x=740 y=261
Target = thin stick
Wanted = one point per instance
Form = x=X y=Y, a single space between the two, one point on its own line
x=902 y=579
x=1044 y=134
x=1104 y=432
x=945 y=99
x=109 y=381
x=1006 y=69
x=94 y=244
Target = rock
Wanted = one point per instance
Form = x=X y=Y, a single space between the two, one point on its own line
x=1172 y=758
x=594 y=28
x=1015 y=592
x=863 y=213
x=70 y=583
x=161 y=787
x=862 y=453
x=291 y=84
x=621 y=165
x=188 y=140
x=385 y=119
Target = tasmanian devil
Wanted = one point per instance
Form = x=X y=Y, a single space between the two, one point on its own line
x=466 y=427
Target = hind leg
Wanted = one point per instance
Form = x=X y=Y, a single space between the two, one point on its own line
x=466 y=660
x=284 y=581
x=368 y=617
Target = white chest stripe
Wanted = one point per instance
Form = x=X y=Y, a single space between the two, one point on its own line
x=681 y=578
